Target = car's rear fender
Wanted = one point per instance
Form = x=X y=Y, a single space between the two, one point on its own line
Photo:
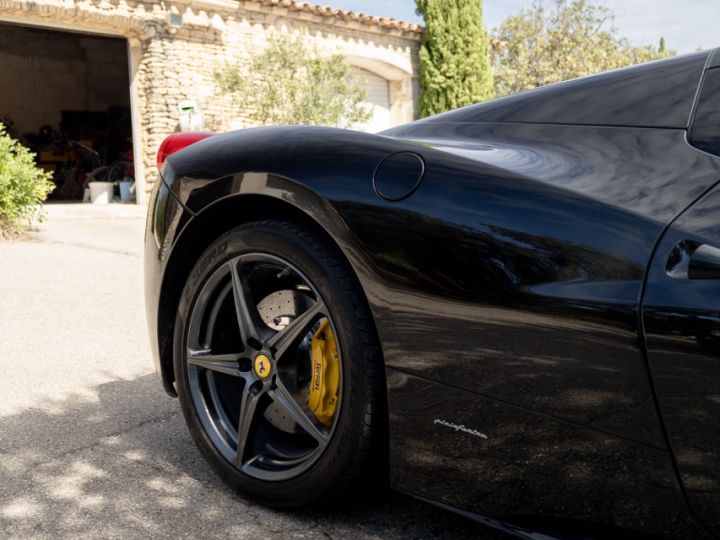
x=236 y=200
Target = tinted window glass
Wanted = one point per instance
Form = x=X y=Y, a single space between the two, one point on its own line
x=705 y=133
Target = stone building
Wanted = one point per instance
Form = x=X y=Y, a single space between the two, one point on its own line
x=154 y=55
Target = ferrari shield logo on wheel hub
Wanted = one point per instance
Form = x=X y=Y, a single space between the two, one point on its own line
x=262 y=366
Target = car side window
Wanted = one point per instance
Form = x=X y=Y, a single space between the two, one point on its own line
x=705 y=131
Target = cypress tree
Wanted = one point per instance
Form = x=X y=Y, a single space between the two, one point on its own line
x=454 y=56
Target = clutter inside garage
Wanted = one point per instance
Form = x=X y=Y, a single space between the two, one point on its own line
x=66 y=96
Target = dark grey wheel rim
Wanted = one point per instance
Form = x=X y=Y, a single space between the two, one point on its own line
x=261 y=425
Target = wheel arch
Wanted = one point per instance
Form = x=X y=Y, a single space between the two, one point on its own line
x=216 y=219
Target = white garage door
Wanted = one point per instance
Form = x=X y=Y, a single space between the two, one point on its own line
x=377 y=101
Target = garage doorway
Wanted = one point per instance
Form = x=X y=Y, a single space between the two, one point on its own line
x=66 y=95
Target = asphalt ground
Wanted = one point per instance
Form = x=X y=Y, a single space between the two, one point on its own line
x=90 y=445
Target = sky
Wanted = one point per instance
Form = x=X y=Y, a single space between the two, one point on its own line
x=686 y=24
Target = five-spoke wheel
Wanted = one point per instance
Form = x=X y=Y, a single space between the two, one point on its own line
x=276 y=385
x=249 y=364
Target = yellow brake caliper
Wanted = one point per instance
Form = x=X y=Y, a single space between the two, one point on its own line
x=325 y=381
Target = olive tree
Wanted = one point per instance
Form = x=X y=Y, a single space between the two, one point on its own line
x=561 y=39
x=289 y=83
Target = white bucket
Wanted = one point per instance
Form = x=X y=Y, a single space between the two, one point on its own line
x=125 y=194
x=100 y=192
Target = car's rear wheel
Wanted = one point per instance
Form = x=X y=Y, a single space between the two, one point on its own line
x=277 y=365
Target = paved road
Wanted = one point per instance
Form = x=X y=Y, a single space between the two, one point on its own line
x=90 y=446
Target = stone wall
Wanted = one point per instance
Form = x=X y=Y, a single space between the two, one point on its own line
x=177 y=45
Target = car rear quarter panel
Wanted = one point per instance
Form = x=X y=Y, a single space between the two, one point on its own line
x=516 y=284
x=516 y=268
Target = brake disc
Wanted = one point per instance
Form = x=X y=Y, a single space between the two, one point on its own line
x=281 y=307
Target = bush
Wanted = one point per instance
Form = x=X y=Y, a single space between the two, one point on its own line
x=23 y=186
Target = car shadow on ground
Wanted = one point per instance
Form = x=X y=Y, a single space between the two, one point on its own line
x=118 y=462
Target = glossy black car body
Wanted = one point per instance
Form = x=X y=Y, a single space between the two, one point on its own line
x=543 y=271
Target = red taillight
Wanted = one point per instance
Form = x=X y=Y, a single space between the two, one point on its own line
x=177 y=141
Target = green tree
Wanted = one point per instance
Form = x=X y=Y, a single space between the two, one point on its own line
x=290 y=84
x=454 y=57
x=569 y=39
x=23 y=186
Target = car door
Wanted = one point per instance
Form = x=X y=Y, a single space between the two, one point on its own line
x=681 y=317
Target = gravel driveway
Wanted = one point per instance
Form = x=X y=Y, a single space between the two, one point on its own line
x=90 y=445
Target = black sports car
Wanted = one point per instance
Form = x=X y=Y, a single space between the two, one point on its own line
x=514 y=307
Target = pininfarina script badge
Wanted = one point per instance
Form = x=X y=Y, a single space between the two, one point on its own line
x=460 y=427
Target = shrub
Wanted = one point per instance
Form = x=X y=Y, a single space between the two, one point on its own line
x=23 y=186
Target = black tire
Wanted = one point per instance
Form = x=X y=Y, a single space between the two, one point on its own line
x=357 y=443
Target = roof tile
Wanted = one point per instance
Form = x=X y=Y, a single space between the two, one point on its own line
x=370 y=20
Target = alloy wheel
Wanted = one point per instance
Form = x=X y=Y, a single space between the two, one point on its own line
x=263 y=366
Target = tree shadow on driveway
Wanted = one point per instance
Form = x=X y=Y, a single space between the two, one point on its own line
x=122 y=465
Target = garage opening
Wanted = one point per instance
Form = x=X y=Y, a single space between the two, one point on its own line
x=66 y=96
